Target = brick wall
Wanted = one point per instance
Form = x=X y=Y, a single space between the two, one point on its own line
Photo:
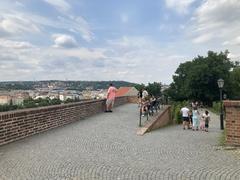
x=133 y=99
x=232 y=109
x=18 y=124
x=162 y=120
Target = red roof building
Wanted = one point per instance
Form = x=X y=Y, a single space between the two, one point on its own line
x=126 y=91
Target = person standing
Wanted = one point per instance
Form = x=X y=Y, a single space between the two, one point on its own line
x=144 y=101
x=144 y=94
x=206 y=119
x=195 y=120
x=185 y=117
x=111 y=94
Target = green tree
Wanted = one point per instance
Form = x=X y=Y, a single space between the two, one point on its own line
x=154 y=89
x=139 y=86
x=29 y=103
x=234 y=90
x=197 y=79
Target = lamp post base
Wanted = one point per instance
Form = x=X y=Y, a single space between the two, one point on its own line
x=221 y=122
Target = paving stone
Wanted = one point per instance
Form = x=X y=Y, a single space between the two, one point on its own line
x=106 y=146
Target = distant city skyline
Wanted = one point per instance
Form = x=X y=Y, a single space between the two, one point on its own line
x=137 y=41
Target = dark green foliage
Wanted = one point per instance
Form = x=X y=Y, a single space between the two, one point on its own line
x=197 y=79
x=139 y=86
x=30 y=103
x=154 y=89
x=234 y=87
x=6 y=107
x=71 y=100
x=175 y=110
x=56 y=101
x=216 y=107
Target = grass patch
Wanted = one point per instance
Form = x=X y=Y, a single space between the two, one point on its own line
x=222 y=138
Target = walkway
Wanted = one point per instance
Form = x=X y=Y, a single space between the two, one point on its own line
x=106 y=147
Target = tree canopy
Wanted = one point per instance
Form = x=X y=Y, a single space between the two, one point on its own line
x=197 y=79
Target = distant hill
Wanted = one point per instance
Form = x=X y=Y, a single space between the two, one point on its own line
x=68 y=85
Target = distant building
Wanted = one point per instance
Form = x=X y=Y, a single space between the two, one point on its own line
x=13 y=97
x=70 y=95
x=126 y=91
x=5 y=99
x=18 y=98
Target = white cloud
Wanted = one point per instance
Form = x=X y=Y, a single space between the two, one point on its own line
x=61 y=5
x=217 y=20
x=81 y=53
x=13 y=25
x=235 y=41
x=79 y=24
x=138 y=58
x=181 y=6
x=203 y=38
x=15 y=44
x=64 y=41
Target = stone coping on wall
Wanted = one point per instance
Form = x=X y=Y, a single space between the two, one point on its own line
x=229 y=103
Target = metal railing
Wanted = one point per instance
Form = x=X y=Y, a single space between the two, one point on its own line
x=148 y=109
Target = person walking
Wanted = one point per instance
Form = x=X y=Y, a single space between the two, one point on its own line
x=111 y=94
x=185 y=117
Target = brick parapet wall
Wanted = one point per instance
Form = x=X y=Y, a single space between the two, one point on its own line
x=18 y=124
x=232 y=109
x=162 y=120
x=133 y=99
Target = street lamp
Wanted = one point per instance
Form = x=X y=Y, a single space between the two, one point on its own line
x=220 y=86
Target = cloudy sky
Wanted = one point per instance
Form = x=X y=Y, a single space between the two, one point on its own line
x=134 y=40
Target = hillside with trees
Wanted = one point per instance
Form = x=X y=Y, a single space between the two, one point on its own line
x=67 y=85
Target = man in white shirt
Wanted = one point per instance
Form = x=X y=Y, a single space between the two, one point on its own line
x=185 y=117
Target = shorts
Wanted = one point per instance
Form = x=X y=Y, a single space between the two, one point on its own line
x=185 y=119
x=110 y=102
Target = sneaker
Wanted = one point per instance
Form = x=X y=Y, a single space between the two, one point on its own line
x=142 y=115
x=110 y=111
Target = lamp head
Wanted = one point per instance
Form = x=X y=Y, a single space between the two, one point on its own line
x=220 y=83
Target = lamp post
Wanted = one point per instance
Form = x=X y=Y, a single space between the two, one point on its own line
x=220 y=86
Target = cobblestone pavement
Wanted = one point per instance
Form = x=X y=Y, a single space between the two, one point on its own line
x=106 y=147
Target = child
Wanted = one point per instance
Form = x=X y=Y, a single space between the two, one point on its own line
x=202 y=124
x=206 y=118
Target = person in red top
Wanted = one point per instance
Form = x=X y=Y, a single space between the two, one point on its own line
x=111 y=94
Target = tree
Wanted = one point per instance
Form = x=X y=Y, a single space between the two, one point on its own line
x=154 y=89
x=139 y=86
x=234 y=90
x=197 y=79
